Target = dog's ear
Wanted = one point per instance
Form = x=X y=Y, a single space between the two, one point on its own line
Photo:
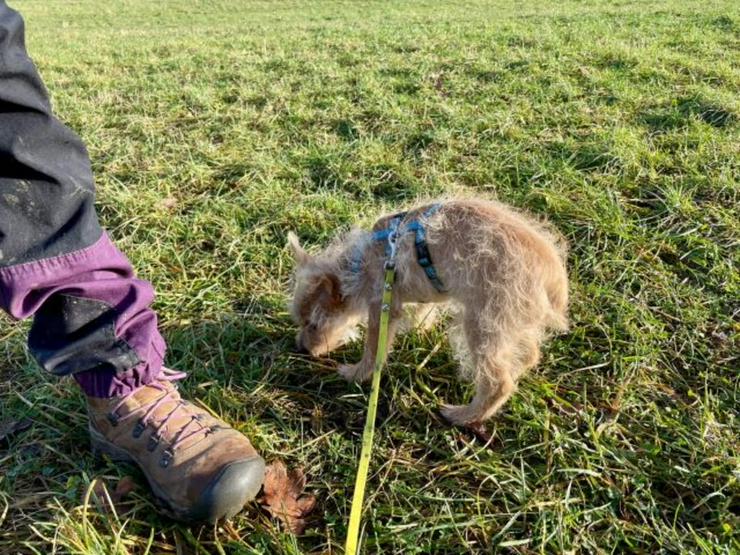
x=332 y=288
x=299 y=253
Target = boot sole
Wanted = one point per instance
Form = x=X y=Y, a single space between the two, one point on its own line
x=204 y=510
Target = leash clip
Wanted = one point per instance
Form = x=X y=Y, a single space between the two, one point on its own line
x=393 y=234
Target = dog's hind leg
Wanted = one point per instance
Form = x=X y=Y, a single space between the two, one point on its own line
x=490 y=395
x=527 y=352
x=492 y=361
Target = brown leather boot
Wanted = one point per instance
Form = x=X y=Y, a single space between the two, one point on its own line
x=198 y=467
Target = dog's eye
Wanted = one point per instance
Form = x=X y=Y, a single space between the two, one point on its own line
x=312 y=327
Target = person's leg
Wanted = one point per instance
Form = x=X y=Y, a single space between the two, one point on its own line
x=92 y=316
x=53 y=253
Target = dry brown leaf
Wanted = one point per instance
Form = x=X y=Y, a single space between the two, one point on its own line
x=123 y=488
x=100 y=492
x=283 y=497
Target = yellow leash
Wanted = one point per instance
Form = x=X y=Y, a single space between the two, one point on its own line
x=353 y=532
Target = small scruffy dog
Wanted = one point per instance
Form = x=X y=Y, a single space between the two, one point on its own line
x=502 y=274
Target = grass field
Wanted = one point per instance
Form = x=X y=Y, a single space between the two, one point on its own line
x=215 y=127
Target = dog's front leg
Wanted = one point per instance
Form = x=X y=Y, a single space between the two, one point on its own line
x=362 y=371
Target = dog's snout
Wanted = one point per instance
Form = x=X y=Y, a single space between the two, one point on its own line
x=300 y=348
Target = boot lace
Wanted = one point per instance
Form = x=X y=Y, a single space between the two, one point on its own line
x=191 y=429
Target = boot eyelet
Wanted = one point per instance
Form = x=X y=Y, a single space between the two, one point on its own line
x=138 y=429
x=113 y=418
x=164 y=462
x=153 y=443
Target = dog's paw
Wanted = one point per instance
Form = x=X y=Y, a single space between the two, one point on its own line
x=457 y=415
x=354 y=373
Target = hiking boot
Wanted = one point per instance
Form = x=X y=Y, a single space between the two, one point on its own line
x=199 y=468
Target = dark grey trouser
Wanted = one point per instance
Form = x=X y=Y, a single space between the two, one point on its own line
x=91 y=315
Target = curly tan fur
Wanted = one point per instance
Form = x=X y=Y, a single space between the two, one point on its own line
x=506 y=283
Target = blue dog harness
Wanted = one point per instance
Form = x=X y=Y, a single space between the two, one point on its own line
x=420 y=243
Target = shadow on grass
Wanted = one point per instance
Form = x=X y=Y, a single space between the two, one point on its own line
x=682 y=111
x=252 y=358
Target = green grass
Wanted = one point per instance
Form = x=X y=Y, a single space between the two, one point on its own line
x=215 y=127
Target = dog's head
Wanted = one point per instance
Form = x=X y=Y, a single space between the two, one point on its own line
x=319 y=305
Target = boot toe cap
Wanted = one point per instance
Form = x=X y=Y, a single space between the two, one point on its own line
x=236 y=484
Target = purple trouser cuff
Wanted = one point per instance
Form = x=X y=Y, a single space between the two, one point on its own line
x=115 y=344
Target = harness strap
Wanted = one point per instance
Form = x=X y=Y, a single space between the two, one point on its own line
x=423 y=257
x=383 y=234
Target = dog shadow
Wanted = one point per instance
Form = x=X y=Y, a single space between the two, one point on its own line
x=247 y=366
